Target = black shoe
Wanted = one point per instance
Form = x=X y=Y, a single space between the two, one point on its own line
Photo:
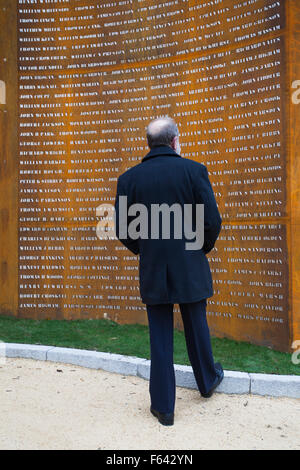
x=167 y=419
x=219 y=379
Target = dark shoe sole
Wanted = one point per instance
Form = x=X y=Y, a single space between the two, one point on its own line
x=211 y=392
x=164 y=419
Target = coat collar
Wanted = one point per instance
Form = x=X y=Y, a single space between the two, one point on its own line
x=159 y=151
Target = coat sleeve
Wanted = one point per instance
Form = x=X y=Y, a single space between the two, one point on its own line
x=212 y=218
x=122 y=223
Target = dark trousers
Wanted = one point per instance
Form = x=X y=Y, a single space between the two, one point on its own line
x=162 y=386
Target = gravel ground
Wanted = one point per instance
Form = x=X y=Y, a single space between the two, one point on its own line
x=45 y=405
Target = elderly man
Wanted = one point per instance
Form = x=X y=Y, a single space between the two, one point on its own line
x=171 y=271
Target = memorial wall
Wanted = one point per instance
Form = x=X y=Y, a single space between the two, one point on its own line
x=91 y=75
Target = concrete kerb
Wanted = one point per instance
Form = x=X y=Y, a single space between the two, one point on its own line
x=233 y=383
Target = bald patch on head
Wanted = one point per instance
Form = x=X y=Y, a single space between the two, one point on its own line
x=155 y=127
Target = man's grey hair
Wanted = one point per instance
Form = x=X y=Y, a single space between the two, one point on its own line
x=161 y=131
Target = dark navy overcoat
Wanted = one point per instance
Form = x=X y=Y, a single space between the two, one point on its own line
x=169 y=273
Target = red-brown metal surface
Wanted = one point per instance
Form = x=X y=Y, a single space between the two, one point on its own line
x=91 y=76
x=8 y=159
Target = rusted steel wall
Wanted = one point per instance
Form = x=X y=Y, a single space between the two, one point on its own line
x=294 y=167
x=8 y=159
x=91 y=76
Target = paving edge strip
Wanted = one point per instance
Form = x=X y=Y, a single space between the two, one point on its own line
x=233 y=383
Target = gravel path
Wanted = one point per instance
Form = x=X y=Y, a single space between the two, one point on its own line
x=45 y=405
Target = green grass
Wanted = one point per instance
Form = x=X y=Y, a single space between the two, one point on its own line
x=133 y=340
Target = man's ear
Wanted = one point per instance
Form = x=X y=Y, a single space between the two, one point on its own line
x=173 y=143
